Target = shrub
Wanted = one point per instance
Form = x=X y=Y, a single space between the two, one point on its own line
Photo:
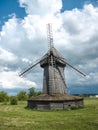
x=38 y=93
x=13 y=100
x=33 y=93
x=4 y=97
x=22 y=96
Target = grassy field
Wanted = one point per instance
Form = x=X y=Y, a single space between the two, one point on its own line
x=16 y=117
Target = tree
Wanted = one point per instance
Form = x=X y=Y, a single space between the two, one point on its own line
x=22 y=96
x=38 y=93
x=13 y=100
x=4 y=97
x=31 y=92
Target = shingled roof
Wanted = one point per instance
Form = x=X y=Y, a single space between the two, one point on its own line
x=56 y=97
x=52 y=51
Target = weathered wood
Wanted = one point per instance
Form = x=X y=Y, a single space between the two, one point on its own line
x=54 y=95
x=53 y=78
x=55 y=102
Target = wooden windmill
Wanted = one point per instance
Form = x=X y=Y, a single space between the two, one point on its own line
x=54 y=86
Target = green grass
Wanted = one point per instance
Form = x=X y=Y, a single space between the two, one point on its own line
x=16 y=117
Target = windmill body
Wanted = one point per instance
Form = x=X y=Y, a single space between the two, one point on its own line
x=53 y=77
x=55 y=94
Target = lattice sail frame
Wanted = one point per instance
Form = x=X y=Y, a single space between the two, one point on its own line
x=50 y=35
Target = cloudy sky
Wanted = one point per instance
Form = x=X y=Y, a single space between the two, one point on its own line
x=23 y=40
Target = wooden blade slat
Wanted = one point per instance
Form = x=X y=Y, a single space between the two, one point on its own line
x=76 y=69
x=28 y=69
x=73 y=67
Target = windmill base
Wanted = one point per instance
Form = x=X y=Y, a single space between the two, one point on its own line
x=55 y=102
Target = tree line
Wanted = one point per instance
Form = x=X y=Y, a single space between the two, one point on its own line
x=21 y=96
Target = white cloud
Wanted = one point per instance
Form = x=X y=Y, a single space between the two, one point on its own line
x=41 y=7
x=75 y=36
x=6 y=56
x=11 y=80
x=26 y=60
x=81 y=25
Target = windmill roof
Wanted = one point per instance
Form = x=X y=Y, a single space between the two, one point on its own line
x=55 y=53
x=56 y=97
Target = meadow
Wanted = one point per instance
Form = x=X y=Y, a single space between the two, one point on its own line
x=17 y=117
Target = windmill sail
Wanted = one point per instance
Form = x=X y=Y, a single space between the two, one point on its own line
x=72 y=67
x=75 y=69
x=50 y=35
x=28 y=68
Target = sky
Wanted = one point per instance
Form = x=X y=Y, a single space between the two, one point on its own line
x=23 y=40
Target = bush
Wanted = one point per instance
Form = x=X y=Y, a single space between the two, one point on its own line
x=33 y=93
x=13 y=100
x=38 y=93
x=22 y=96
x=4 y=97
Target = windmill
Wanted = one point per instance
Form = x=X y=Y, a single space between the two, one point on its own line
x=54 y=85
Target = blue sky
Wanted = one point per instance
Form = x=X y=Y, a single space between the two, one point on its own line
x=8 y=7
x=71 y=4
x=23 y=30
